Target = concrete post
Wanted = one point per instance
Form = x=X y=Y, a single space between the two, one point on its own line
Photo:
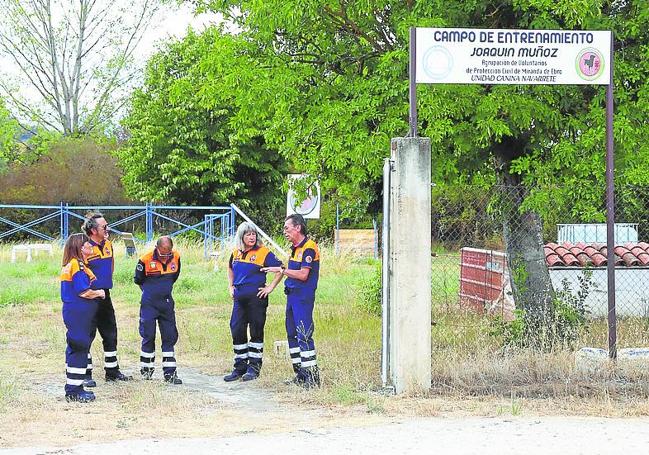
x=410 y=265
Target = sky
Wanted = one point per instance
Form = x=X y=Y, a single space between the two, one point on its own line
x=171 y=23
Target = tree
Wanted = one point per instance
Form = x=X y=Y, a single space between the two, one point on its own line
x=76 y=56
x=182 y=152
x=325 y=83
x=8 y=136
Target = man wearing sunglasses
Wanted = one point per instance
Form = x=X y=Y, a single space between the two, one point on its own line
x=102 y=264
x=155 y=273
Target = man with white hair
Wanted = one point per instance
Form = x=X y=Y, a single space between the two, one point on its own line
x=301 y=283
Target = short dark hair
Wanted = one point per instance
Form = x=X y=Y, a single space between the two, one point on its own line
x=298 y=220
x=90 y=222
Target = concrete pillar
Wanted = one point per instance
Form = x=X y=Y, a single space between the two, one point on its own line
x=410 y=265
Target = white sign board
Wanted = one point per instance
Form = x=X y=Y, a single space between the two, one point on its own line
x=497 y=56
x=309 y=207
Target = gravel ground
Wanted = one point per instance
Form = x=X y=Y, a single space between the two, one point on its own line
x=484 y=436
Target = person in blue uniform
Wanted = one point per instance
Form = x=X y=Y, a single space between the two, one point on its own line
x=102 y=264
x=249 y=291
x=155 y=273
x=300 y=286
x=80 y=304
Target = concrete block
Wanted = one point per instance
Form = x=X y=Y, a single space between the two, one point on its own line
x=631 y=360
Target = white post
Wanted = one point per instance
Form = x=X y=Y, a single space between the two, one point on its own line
x=410 y=266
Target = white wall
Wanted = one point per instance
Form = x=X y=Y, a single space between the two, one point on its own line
x=631 y=289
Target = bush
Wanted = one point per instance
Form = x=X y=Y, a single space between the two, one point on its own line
x=568 y=318
x=77 y=171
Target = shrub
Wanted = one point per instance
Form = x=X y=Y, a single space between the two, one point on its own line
x=77 y=171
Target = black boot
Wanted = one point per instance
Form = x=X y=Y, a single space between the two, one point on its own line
x=173 y=379
x=147 y=373
x=119 y=376
x=82 y=396
x=252 y=373
x=235 y=375
x=310 y=377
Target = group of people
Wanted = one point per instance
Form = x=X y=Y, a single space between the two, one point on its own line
x=87 y=278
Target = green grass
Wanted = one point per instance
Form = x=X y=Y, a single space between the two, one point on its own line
x=30 y=312
x=466 y=355
x=29 y=283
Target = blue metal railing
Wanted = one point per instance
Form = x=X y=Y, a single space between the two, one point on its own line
x=224 y=216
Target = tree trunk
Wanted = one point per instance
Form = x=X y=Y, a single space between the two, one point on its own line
x=531 y=284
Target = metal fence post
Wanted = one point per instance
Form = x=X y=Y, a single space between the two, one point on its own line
x=337 y=239
x=66 y=220
x=385 y=276
x=207 y=238
x=232 y=221
x=225 y=229
x=376 y=239
x=62 y=232
x=149 y=221
x=610 y=213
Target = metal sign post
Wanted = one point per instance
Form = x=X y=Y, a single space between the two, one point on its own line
x=610 y=214
x=412 y=88
x=513 y=57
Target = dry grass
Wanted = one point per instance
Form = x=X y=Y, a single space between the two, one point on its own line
x=472 y=375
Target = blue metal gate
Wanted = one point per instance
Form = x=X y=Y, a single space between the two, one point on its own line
x=217 y=226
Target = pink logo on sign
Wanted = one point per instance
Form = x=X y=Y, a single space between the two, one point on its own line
x=590 y=64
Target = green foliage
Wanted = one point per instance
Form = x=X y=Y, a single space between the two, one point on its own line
x=9 y=129
x=570 y=308
x=183 y=147
x=462 y=215
x=512 y=333
x=568 y=318
x=325 y=83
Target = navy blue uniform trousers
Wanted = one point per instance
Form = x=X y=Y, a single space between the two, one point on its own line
x=248 y=311
x=78 y=317
x=160 y=310
x=300 y=327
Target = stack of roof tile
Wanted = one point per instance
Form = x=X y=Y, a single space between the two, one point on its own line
x=595 y=255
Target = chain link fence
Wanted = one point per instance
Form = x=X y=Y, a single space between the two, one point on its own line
x=496 y=263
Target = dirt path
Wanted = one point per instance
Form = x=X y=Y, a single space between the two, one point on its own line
x=203 y=406
x=485 y=436
x=248 y=418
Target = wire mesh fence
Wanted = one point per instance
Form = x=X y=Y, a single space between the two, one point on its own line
x=495 y=260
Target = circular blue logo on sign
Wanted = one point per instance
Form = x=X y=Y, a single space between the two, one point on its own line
x=437 y=62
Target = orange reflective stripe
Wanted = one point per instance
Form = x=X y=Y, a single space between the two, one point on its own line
x=153 y=266
x=71 y=268
x=257 y=257
x=101 y=253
